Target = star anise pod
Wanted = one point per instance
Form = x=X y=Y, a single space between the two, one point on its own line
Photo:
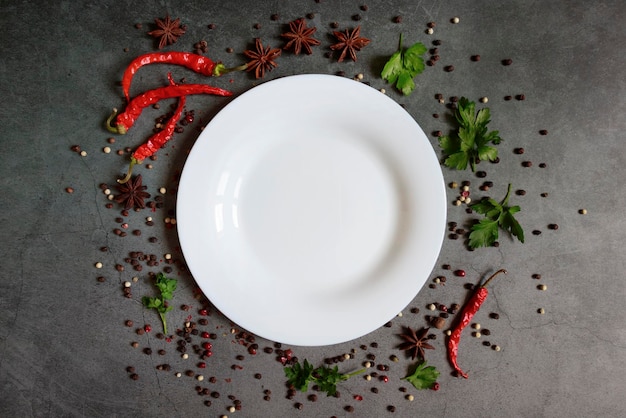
x=300 y=37
x=132 y=193
x=261 y=59
x=168 y=31
x=349 y=43
x=415 y=342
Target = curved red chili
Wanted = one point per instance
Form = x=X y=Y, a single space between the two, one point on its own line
x=467 y=313
x=197 y=63
x=156 y=141
x=124 y=121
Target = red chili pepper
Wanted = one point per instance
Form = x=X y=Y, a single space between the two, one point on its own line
x=124 y=121
x=467 y=313
x=156 y=141
x=197 y=63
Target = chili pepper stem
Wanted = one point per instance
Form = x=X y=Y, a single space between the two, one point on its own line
x=221 y=69
x=114 y=129
x=133 y=161
x=493 y=276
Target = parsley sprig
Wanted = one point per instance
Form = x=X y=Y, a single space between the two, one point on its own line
x=423 y=377
x=471 y=142
x=166 y=287
x=403 y=66
x=497 y=215
x=325 y=377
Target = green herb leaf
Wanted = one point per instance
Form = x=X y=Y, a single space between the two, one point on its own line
x=166 y=287
x=497 y=215
x=403 y=66
x=325 y=377
x=423 y=377
x=299 y=376
x=470 y=143
x=484 y=233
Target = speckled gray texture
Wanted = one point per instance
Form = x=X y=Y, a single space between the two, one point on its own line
x=64 y=348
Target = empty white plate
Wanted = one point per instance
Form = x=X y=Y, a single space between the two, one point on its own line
x=311 y=210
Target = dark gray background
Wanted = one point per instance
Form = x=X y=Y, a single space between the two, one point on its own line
x=64 y=348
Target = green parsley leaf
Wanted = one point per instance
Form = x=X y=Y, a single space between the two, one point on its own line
x=497 y=215
x=325 y=377
x=470 y=143
x=299 y=376
x=403 y=66
x=166 y=287
x=423 y=377
x=328 y=378
x=484 y=233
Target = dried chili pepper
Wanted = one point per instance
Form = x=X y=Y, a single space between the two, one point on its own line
x=197 y=63
x=156 y=141
x=124 y=121
x=467 y=313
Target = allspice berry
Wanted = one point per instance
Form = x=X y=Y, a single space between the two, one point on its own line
x=438 y=322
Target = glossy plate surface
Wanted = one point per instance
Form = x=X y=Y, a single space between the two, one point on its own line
x=311 y=210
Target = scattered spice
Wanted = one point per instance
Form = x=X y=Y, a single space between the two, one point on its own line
x=261 y=58
x=168 y=31
x=349 y=42
x=300 y=36
x=415 y=342
x=132 y=193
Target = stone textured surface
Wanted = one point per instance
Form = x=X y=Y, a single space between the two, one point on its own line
x=64 y=348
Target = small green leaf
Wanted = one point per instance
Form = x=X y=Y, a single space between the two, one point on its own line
x=405 y=83
x=493 y=137
x=497 y=215
x=487 y=153
x=166 y=287
x=392 y=68
x=482 y=117
x=299 y=376
x=465 y=112
x=449 y=144
x=510 y=224
x=483 y=206
x=458 y=160
x=473 y=137
x=484 y=233
x=467 y=140
x=403 y=66
x=423 y=377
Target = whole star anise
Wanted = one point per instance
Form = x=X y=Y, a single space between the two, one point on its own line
x=132 y=193
x=261 y=59
x=300 y=37
x=415 y=342
x=349 y=43
x=168 y=31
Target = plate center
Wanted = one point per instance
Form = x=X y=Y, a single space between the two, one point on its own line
x=317 y=210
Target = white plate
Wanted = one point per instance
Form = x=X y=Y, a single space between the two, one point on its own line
x=311 y=210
